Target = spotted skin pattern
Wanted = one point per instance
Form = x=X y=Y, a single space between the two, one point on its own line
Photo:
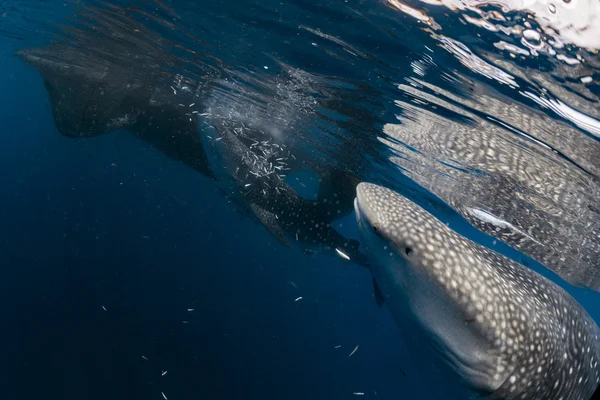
x=543 y=344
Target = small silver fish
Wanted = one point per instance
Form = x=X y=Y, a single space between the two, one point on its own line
x=342 y=254
x=353 y=351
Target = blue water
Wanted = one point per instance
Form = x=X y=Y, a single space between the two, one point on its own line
x=106 y=243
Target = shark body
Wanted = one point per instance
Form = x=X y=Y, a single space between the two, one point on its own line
x=252 y=173
x=486 y=324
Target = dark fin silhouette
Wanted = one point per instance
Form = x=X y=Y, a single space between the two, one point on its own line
x=171 y=132
x=378 y=295
x=270 y=222
x=88 y=98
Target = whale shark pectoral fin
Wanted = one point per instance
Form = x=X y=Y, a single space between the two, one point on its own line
x=379 y=299
x=269 y=220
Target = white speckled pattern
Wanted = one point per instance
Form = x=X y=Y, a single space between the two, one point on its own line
x=547 y=346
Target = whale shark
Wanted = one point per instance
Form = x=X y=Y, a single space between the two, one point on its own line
x=106 y=73
x=486 y=325
x=251 y=173
x=90 y=97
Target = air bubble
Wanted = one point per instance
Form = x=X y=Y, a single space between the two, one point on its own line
x=530 y=34
x=532 y=39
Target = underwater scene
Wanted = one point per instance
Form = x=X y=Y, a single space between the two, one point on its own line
x=300 y=199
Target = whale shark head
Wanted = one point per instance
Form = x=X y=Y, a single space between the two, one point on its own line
x=482 y=320
x=408 y=255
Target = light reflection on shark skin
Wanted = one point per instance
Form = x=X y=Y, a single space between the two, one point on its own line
x=507 y=185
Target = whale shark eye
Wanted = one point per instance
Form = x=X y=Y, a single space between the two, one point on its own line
x=408 y=251
x=376 y=229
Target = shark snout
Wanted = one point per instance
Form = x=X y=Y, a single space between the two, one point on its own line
x=365 y=213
